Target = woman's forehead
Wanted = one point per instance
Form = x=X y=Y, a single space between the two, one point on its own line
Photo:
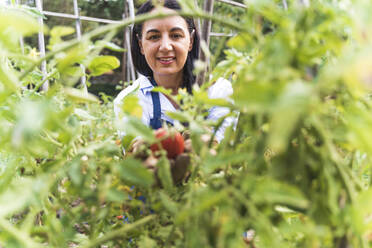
x=169 y=22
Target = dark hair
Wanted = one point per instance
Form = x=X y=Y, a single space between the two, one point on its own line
x=138 y=58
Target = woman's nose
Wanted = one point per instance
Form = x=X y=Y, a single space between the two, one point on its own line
x=166 y=44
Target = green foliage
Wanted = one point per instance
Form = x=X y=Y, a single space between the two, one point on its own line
x=102 y=64
x=296 y=168
x=57 y=33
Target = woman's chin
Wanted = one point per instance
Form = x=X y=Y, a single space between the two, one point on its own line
x=166 y=72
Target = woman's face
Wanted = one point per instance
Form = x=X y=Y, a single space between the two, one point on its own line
x=165 y=44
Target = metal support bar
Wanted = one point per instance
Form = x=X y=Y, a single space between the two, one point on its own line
x=83 y=18
x=285 y=5
x=207 y=24
x=131 y=9
x=128 y=35
x=124 y=62
x=206 y=29
x=306 y=3
x=39 y=6
x=197 y=21
x=131 y=72
x=221 y=34
x=21 y=43
x=233 y=3
x=78 y=36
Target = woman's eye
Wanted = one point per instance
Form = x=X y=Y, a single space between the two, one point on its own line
x=154 y=37
x=176 y=36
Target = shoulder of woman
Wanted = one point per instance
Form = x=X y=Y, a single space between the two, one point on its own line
x=130 y=89
x=220 y=89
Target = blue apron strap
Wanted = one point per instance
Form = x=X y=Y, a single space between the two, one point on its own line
x=156 y=121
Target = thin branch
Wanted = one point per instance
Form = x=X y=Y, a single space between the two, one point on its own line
x=20 y=236
x=120 y=233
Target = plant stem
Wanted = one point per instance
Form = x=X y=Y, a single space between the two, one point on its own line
x=120 y=232
x=20 y=236
x=338 y=163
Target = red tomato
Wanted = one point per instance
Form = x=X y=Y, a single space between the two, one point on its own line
x=172 y=142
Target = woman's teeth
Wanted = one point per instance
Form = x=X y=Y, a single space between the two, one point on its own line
x=168 y=59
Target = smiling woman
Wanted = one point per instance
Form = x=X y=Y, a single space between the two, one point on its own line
x=165 y=43
x=166 y=37
x=164 y=51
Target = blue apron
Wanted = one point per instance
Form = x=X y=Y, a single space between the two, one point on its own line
x=156 y=122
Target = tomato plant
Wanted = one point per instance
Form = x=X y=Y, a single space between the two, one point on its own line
x=295 y=169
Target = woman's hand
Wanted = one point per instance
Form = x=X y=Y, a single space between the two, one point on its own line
x=135 y=146
x=179 y=165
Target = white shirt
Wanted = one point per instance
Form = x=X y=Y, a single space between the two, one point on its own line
x=220 y=89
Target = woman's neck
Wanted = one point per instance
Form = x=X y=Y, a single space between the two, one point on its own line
x=172 y=82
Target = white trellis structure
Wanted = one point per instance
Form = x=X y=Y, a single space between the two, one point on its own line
x=207 y=25
x=128 y=69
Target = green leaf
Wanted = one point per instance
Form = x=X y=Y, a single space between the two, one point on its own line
x=241 y=41
x=360 y=213
x=103 y=64
x=164 y=173
x=134 y=172
x=28 y=191
x=56 y=33
x=115 y=195
x=206 y=200
x=255 y=95
x=134 y=127
x=18 y=21
x=147 y=242
x=80 y=96
x=74 y=71
x=109 y=45
x=15 y=24
x=127 y=141
x=163 y=90
x=8 y=77
x=221 y=160
x=180 y=116
x=84 y=114
x=359 y=121
x=131 y=106
x=270 y=190
x=291 y=105
x=60 y=31
x=168 y=203
x=203 y=98
x=74 y=55
x=75 y=172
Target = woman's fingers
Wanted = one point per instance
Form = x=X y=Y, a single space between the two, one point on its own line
x=188 y=145
x=150 y=162
x=136 y=145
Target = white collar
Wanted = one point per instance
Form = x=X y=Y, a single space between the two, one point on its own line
x=145 y=85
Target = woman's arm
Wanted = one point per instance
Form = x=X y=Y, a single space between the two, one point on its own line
x=221 y=89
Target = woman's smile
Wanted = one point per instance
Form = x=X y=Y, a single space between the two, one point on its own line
x=167 y=60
